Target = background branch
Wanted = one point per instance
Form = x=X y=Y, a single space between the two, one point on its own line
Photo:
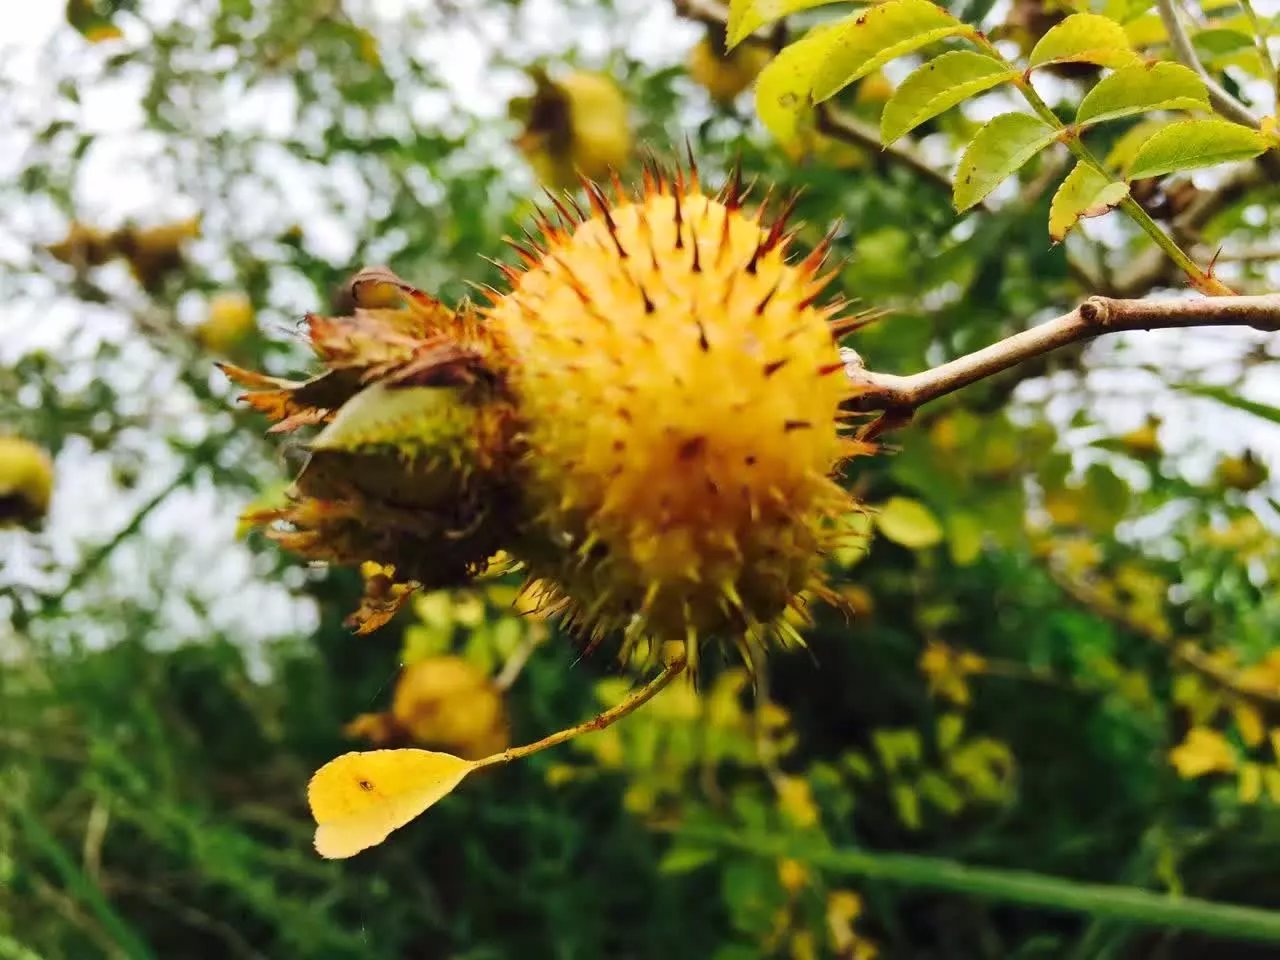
x=1223 y=102
x=901 y=395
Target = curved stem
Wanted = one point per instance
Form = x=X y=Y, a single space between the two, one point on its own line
x=1130 y=904
x=673 y=666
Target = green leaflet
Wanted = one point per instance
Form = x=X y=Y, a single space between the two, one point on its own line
x=998 y=150
x=874 y=37
x=782 y=89
x=1142 y=88
x=1084 y=38
x=1084 y=193
x=1190 y=144
x=938 y=86
x=748 y=16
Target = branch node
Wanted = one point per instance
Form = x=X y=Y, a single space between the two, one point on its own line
x=852 y=360
x=1096 y=311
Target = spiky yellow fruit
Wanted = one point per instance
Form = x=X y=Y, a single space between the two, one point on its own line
x=725 y=75
x=649 y=420
x=446 y=702
x=679 y=397
x=576 y=126
x=26 y=482
x=441 y=702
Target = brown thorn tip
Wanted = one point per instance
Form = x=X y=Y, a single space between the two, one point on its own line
x=732 y=192
x=679 y=221
x=600 y=203
x=561 y=209
x=694 y=182
x=780 y=223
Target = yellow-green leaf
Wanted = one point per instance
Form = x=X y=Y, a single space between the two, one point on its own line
x=964 y=538
x=938 y=86
x=1084 y=38
x=1141 y=88
x=1126 y=148
x=1085 y=193
x=908 y=523
x=1190 y=144
x=1203 y=750
x=748 y=16
x=997 y=151
x=882 y=33
x=782 y=89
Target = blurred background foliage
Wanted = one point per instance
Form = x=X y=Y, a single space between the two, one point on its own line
x=1062 y=649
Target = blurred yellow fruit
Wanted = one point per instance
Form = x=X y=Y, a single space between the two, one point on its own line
x=1203 y=751
x=83 y=246
x=792 y=875
x=576 y=125
x=26 y=482
x=1144 y=442
x=155 y=252
x=813 y=146
x=795 y=800
x=875 y=88
x=100 y=34
x=447 y=703
x=1242 y=473
x=228 y=323
x=722 y=75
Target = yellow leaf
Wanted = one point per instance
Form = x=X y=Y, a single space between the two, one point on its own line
x=1250 y=784
x=782 y=89
x=1084 y=38
x=792 y=875
x=909 y=523
x=1249 y=723
x=748 y=16
x=881 y=33
x=1084 y=193
x=358 y=799
x=103 y=32
x=1203 y=751
x=795 y=799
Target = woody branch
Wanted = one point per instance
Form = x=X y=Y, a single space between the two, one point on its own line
x=902 y=395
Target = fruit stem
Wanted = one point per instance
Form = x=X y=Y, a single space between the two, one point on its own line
x=674 y=664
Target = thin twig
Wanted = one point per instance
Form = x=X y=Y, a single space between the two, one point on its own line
x=1264 y=52
x=99 y=556
x=1223 y=102
x=1151 y=268
x=839 y=125
x=674 y=665
x=1186 y=652
x=900 y=396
